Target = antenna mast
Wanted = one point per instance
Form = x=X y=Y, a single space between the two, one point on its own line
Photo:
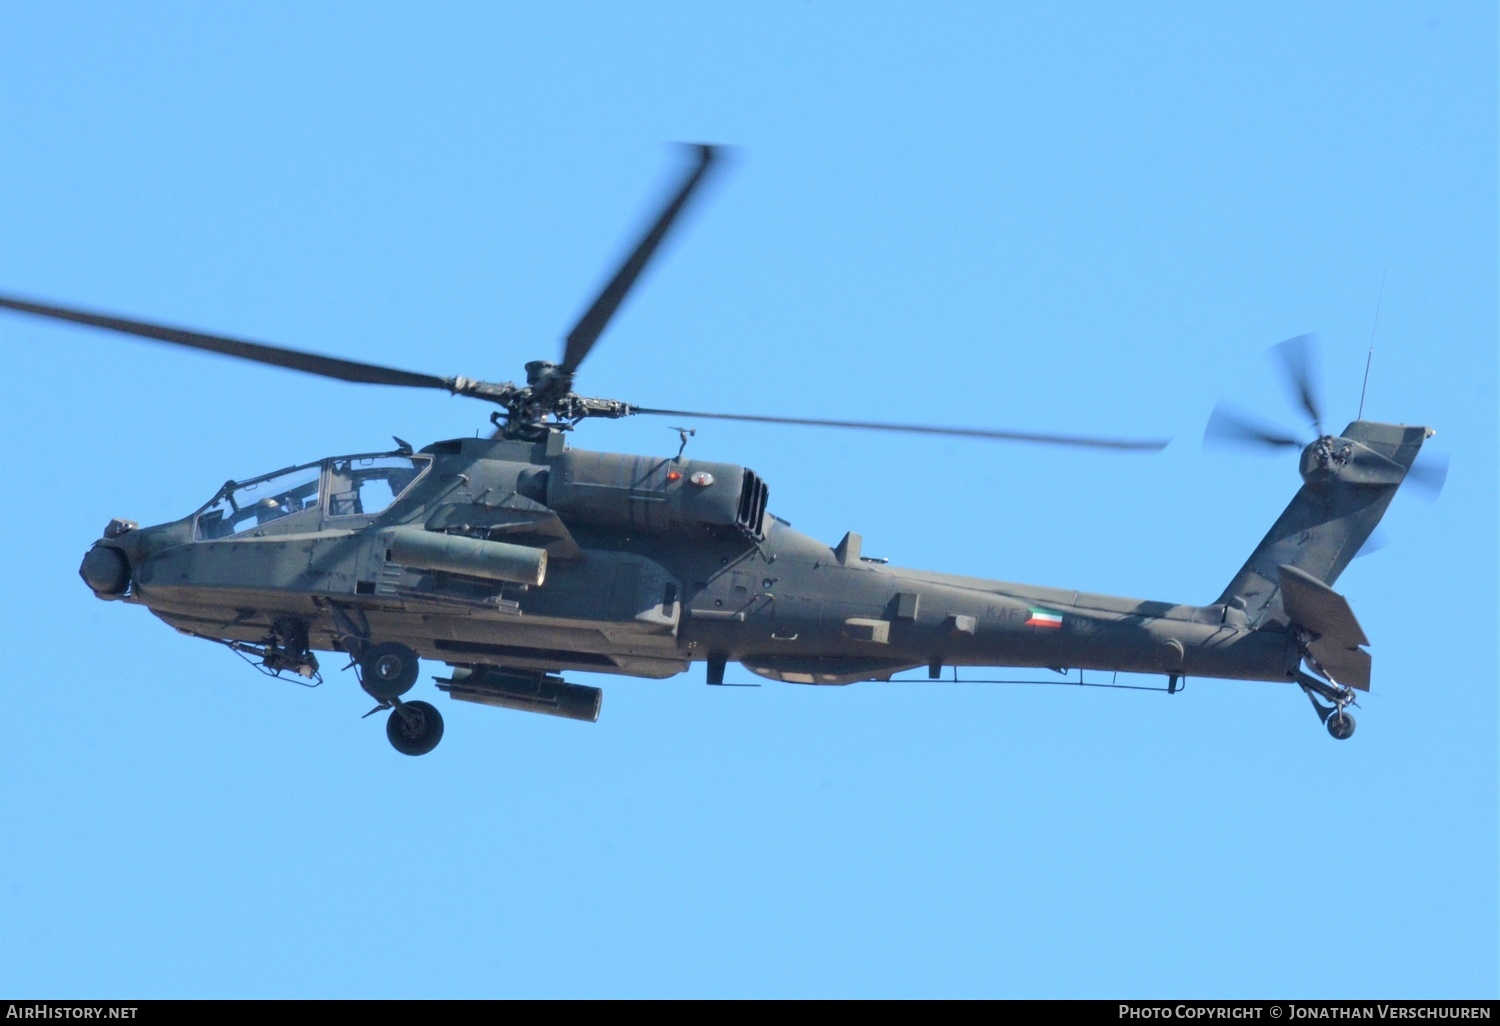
x=1370 y=358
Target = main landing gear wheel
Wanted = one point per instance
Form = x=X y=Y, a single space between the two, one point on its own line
x=415 y=728
x=1341 y=725
x=388 y=670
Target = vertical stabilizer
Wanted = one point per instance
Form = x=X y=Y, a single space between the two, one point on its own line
x=1348 y=483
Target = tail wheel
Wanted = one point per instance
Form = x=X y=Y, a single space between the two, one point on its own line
x=1341 y=725
x=415 y=728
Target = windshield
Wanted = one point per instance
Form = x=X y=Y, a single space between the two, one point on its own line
x=353 y=486
x=366 y=485
x=261 y=501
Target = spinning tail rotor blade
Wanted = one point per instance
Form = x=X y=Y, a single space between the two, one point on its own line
x=1378 y=540
x=1295 y=355
x=258 y=352
x=1228 y=425
x=1120 y=444
x=592 y=324
x=1428 y=475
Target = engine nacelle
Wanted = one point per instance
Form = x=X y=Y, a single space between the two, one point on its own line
x=652 y=495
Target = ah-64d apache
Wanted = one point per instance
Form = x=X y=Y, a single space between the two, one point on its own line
x=514 y=559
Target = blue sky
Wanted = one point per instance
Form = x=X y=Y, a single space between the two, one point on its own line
x=1090 y=218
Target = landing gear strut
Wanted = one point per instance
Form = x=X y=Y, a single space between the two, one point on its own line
x=1340 y=724
x=1336 y=718
x=387 y=671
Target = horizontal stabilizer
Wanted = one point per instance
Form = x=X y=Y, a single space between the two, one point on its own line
x=1318 y=609
x=1316 y=606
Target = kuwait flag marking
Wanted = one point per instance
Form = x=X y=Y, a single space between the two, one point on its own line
x=1042 y=618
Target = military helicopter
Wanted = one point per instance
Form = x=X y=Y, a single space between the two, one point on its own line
x=515 y=558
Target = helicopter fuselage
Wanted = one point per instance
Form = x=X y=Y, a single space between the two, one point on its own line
x=513 y=558
x=530 y=557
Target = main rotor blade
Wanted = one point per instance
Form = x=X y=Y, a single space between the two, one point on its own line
x=276 y=356
x=592 y=324
x=1230 y=426
x=1296 y=361
x=922 y=429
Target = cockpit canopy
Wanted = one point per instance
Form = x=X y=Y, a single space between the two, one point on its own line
x=344 y=486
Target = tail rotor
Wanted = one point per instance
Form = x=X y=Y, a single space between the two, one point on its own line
x=1228 y=425
x=1296 y=358
x=1231 y=426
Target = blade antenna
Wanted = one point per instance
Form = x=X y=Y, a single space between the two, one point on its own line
x=1369 y=359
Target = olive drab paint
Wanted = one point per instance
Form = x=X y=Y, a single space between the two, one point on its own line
x=647 y=573
x=515 y=559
